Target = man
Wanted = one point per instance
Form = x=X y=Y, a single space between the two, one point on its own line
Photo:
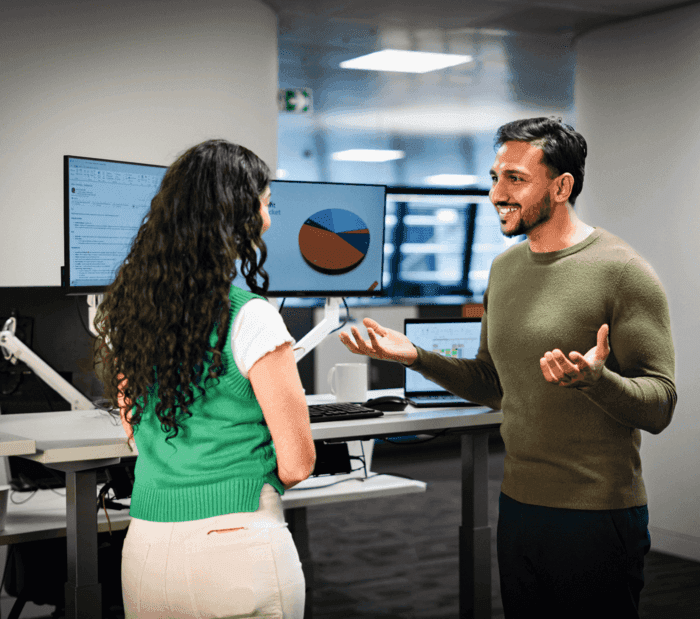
x=572 y=529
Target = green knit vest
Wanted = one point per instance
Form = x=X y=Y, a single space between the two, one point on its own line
x=222 y=455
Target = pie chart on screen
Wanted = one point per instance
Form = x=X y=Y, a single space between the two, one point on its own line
x=334 y=241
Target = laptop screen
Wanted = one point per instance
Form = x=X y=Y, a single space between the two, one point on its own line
x=452 y=337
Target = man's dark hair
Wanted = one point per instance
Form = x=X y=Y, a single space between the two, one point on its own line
x=563 y=149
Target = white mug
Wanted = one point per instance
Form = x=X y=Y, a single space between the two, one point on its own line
x=351 y=379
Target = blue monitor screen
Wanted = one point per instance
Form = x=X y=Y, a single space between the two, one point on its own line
x=326 y=239
x=104 y=205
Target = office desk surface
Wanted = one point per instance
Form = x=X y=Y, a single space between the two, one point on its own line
x=42 y=514
x=69 y=436
x=12 y=445
x=411 y=420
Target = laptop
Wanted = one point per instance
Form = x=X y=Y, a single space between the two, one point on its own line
x=452 y=337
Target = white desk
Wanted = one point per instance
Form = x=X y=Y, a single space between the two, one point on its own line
x=11 y=445
x=42 y=515
x=79 y=442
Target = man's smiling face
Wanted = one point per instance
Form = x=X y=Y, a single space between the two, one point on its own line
x=520 y=188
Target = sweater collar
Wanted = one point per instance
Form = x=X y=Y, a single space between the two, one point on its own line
x=552 y=256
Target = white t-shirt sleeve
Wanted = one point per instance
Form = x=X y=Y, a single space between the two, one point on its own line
x=257 y=330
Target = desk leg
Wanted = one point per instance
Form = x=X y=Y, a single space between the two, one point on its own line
x=83 y=590
x=475 y=533
x=296 y=521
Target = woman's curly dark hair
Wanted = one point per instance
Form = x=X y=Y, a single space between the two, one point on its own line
x=172 y=289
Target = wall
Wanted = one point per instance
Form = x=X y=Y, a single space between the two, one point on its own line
x=637 y=93
x=135 y=80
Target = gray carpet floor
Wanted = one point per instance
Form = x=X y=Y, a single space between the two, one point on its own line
x=397 y=557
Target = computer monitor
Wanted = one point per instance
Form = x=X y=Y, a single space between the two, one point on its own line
x=104 y=205
x=326 y=239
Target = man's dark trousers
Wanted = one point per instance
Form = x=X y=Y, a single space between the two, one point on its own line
x=569 y=563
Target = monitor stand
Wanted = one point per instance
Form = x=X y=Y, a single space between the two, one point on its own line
x=313 y=338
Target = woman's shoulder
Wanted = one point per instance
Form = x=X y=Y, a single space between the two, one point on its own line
x=240 y=294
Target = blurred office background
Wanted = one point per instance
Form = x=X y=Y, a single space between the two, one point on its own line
x=141 y=80
x=435 y=129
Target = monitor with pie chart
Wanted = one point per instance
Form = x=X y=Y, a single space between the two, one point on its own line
x=325 y=239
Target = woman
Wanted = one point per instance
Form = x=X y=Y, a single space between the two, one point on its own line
x=220 y=418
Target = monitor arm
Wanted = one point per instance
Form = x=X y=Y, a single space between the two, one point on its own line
x=313 y=338
x=13 y=349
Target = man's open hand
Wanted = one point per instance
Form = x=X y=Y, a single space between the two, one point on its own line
x=384 y=344
x=578 y=370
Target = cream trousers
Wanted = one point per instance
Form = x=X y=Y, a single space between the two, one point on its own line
x=237 y=565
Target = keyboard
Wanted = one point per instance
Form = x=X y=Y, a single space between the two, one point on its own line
x=339 y=412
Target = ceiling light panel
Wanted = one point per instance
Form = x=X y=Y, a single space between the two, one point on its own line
x=403 y=61
x=370 y=155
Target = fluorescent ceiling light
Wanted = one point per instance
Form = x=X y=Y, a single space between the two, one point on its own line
x=372 y=155
x=458 y=180
x=404 y=61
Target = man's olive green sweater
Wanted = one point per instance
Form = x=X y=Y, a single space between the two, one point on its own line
x=567 y=447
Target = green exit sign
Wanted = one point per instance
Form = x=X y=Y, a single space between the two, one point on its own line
x=295 y=100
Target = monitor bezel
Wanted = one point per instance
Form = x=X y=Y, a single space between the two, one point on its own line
x=65 y=277
x=380 y=291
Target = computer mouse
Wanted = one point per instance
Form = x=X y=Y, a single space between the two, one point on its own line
x=387 y=403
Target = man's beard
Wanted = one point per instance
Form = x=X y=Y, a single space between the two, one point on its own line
x=543 y=215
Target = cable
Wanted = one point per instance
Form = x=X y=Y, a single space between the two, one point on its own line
x=335 y=483
x=319 y=487
x=364 y=458
x=31 y=496
x=342 y=481
x=347 y=317
x=104 y=507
